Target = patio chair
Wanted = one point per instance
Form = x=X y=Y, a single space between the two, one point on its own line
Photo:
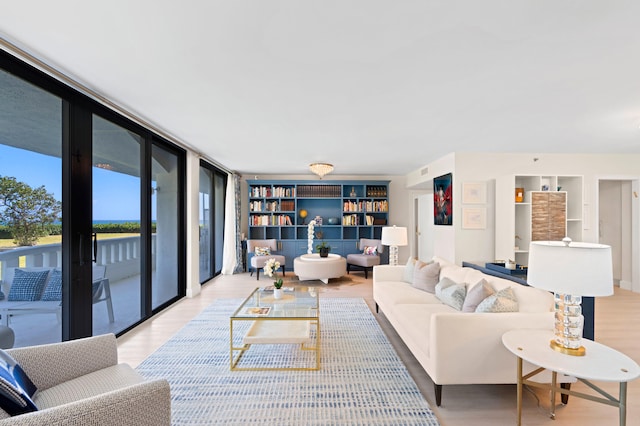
x=101 y=289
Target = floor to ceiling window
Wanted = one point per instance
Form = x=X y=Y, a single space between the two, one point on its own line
x=30 y=159
x=116 y=225
x=211 y=205
x=119 y=189
x=166 y=207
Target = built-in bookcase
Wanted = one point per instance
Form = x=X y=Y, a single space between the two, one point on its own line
x=347 y=211
x=525 y=203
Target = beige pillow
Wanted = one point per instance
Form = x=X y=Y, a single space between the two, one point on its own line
x=502 y=301
x=477 y=294
x=426 y=276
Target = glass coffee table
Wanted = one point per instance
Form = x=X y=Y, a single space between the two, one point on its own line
x=263 y=319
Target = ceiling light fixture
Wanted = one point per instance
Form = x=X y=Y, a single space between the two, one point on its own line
x=321 y=169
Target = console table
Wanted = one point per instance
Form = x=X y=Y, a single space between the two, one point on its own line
x=600 y=363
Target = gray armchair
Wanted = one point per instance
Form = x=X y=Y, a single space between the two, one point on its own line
x=257 y=262
x=365 y=261
x=81 y=383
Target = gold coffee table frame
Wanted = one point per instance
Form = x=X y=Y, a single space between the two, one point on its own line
x=288 y=320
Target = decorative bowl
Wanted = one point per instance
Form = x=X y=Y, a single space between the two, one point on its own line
x=333 y=221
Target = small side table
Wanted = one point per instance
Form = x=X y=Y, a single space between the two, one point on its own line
x=600 y=363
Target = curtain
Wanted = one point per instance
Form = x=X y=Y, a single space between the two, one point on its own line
x=231 y=227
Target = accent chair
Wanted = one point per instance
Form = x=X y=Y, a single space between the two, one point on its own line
x=259 y=251
x=365 y=260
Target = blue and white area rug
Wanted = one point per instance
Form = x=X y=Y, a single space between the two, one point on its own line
x=361 y=380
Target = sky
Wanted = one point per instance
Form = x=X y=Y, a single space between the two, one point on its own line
x=115 y=195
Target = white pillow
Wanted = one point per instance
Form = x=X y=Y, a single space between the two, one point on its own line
x=407 y=274
x=451 y=293
x=502 y=301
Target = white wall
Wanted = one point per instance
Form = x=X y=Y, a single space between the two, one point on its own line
x=478 y=245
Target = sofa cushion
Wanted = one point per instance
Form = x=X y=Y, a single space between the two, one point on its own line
x=392 y=293
x=502 y=301
x=409 y=315
x=476 y=294
x=27 y=285
x=370 y=251
x=262 y=251
x=53 y=291
x=92 y=384
x=16 y=389
x=426 y=276
x=407 y=273
x=451 y=293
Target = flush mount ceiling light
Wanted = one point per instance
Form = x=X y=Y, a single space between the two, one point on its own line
x=321 y=169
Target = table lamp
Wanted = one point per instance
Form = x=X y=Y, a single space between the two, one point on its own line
x=394 y=236
x=570 y=270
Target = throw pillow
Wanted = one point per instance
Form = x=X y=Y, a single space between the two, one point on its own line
x=451 y=293
x=370 y=251
x=53 y=291
x=16 y=389
x=426 y=276
x=407 y=274
x=27 y=285
x=263 y=251
x=477 y=294
x=502 y=301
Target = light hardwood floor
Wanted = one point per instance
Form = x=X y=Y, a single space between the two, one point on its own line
x=617 y=325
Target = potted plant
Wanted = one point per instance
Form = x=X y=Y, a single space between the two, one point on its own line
x=271 y=270
x=324 y=249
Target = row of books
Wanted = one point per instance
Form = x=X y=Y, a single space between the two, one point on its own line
x=273 y=220
x=271 y=206
x=354 y=220
x=376 y=191
x=320 y=191
x=276 y=191
x=369 y=206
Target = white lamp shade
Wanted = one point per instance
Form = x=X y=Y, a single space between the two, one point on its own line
x=394 y=236
x=579 y=269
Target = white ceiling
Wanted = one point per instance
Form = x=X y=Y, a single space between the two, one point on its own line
x=265 y=86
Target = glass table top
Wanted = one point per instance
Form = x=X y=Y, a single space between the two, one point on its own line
x=294 y=303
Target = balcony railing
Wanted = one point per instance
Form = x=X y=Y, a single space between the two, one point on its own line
x=121 y=256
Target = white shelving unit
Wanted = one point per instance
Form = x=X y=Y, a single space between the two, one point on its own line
x=513 y=219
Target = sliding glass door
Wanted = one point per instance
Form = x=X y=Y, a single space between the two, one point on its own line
x=211 y=205
x=166 y=204
x=116 y=278
x=30 y=210
x=108 y=196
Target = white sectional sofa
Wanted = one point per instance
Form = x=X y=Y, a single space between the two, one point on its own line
x=456 y=347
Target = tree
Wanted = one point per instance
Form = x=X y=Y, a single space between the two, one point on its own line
x=26 y=211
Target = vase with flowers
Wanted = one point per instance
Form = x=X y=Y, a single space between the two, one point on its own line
x=271 y=270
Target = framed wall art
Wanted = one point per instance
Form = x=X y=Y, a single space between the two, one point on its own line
x=443 y=200
x=474 y=193
x=474 y=218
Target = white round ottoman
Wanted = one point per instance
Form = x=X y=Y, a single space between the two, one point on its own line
x=313 y=267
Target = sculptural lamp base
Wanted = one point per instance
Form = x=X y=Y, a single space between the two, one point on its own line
x=569 y=323
x=393 y=255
